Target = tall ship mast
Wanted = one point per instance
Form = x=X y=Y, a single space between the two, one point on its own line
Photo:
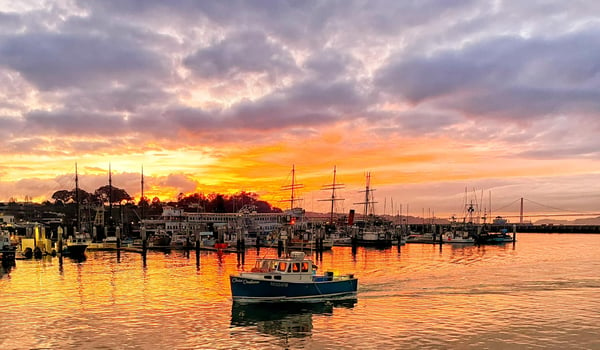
x=142 y=196
x=369 y=203
x=77 y=200
x=333 y=186
x=292 y=188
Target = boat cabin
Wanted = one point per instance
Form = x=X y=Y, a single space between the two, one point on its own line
x=295 y=267
x=271 y=265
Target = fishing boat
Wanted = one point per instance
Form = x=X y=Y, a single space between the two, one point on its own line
x=76 y=245
x=458 y=236
x=374 y=236
x=7 y=249
x=495 y=237
x=292 y=277
x=426 y=237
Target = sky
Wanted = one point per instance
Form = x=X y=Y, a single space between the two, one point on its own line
x=441 y=101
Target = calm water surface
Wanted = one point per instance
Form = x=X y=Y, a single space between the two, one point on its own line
x=544 y=292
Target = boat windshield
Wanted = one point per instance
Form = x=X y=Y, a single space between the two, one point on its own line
x=282 y=266
x=265 y=265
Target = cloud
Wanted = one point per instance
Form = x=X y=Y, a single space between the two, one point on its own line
x=65 y=60
x=506 y=77
x=68 y=122
x=428 y=90
x=241 y=53
x=176 y=183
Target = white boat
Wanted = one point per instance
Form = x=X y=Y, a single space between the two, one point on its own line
x=374 y=236
x=426 y=237
x=458 y=236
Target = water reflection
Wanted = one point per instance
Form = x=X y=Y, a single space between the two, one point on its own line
x=6 y=267
x=284 y=320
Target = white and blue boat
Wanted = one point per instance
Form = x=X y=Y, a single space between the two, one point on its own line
x=290 y=278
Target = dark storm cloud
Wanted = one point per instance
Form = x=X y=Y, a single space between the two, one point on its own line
x=246 y=52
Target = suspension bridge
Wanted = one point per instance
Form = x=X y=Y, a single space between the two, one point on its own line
x=539 y=211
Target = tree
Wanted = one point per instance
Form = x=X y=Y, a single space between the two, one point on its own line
x=219 y=203
x=104 y=194
x=65 y=196
x=62 y=196
x=195 y=200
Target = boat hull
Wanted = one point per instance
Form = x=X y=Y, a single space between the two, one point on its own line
x=494 y=239
x=75 y=249
x=245 y=289
x=377 y=243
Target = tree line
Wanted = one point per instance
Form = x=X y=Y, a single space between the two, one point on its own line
x=213 y=202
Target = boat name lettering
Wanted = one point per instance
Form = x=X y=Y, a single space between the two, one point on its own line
x=279 y=284
x=244 y=281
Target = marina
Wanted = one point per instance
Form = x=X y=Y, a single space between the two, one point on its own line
x=299 y=175
x=540 y=292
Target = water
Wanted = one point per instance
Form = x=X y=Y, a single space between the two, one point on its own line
x=542 y=293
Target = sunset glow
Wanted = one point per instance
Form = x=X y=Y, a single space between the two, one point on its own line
x=431 y=99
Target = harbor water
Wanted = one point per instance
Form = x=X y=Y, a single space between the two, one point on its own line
x=541 y=293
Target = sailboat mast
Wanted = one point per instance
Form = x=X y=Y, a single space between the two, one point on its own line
x=77 y=199
x=334 y=186
x=142 y=199
x=293 y=188
x=368 y=191
x=110 y=199
x=293 y=185
x=332 y=196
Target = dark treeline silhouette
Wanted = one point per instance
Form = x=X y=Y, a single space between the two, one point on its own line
x=125 y=209
x=220 y=203
x=212 y=203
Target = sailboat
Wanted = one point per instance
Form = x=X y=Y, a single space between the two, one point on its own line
x=303 y=235
x=77 y=244
x=373 y=231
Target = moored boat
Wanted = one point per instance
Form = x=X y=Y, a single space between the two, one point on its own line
x=458 y=237
x=290 y=278
x=495 y=237
x=427 y=237
x=377 y=237
x=76 y=246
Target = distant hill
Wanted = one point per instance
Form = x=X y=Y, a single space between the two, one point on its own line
x=584 y=221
